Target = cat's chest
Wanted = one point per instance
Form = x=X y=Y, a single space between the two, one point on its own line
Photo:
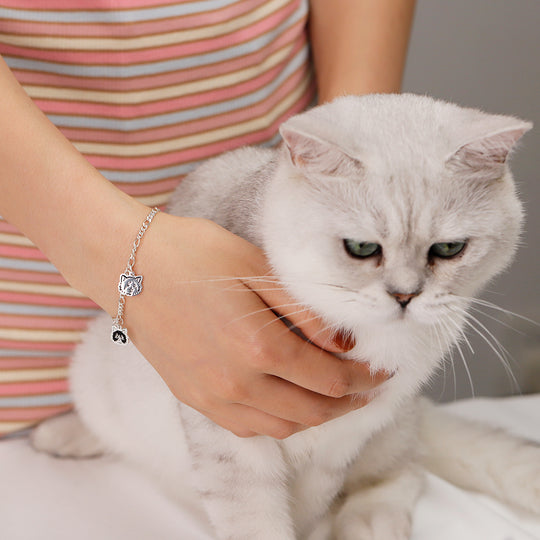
x=335 y=444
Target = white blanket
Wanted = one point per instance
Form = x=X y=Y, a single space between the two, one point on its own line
x=42 y=498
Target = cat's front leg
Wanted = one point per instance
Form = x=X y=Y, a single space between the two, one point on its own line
x=382 y=509
x=242 y=482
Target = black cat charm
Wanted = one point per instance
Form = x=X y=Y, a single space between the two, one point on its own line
x=119 y=335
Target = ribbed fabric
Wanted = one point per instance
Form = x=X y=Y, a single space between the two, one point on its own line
x=145 y=89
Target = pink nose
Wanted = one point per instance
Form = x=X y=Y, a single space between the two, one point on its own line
x=404 y=298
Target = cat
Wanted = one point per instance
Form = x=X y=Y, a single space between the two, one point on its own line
x=383 y=214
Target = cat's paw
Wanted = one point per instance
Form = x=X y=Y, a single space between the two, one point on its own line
x=381 y=523
x=66 y=436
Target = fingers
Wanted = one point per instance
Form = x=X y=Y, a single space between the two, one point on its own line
x=282 y=399
x=272 y=349
x=296 y=409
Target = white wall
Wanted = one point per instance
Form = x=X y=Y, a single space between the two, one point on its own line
x=486 y=54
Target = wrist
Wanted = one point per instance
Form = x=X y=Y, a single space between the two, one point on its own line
x=99 y=244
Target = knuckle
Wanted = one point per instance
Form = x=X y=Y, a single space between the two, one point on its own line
x=234 y=391
x=318 y=417
x=262 y=357
x=243 y=433
x=340 y=386
x=283 y=430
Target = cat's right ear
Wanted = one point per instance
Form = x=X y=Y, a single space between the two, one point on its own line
x=316 y=157
x=486 y=154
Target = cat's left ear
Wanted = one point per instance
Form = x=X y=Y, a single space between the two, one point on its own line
x=317 y=157
x=484 y=157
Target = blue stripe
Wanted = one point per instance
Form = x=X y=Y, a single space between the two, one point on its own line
x=187 y=115
x=29 y=309
x=138 y=70
x=17 y=434
x=33 y=266
x=37 y=354
x=35 y=401
x=151 y=175
x=115 y=16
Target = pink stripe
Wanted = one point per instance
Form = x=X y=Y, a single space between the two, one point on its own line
x=194 y=154
x=153 y=54
x=32 y=388
x=150 y=188
x=33 y=363
x=156 y=81
x=92 y=5
x=32 y=277
x=36 y=346
x=33 y=413
x=44 y=323
x=21 y=252
x=128 y=29
x=22 y=298
x=8 y=228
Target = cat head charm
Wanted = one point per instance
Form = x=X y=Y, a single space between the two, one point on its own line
x=119 y=335
x=130 y=285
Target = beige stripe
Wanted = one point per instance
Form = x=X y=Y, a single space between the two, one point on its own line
x=40 y=335
x=144 y=42
x=15 y=240
x=155 y=200
x=33 y=374
x=35 y=288
x=5 y=427
x=167 y=92
x=199 y=139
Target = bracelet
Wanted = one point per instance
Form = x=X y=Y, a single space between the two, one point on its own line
x=129 y=284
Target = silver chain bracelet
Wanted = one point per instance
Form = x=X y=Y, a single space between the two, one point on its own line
x=129 y=284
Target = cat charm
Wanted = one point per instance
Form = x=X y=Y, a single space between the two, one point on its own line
x=130 y=285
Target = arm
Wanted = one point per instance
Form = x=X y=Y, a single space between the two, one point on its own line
x=242 y=372
x=359 y=46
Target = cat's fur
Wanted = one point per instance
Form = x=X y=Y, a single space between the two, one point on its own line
x=405 y=172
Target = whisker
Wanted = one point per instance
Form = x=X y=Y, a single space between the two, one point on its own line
x=282 y=317
x=509 y=326
x=500 y=352
x=262 y=310
x=462 y=314
x=446 y=358
x=465 y=365
x=491 y=305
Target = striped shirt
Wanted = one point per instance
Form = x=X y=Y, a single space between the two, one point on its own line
x=146 y=90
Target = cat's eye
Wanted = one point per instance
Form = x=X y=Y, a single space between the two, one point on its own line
x=361 y=250
x=446 y=250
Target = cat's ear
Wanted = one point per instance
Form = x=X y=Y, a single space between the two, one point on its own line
x=316 y=157
x=484 y=157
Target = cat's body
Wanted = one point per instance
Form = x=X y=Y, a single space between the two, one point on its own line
x=404 y=176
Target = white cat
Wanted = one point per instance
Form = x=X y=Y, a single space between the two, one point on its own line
x=383 y=214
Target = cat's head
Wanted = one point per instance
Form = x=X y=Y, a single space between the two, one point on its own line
x=390 y=209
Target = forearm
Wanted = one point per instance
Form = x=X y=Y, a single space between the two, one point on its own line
x=359 y=46
x=55 y=197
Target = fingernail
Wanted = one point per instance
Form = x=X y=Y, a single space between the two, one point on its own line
x=383 y=376
x=344 y=340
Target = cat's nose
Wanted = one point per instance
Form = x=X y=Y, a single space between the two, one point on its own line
x=403 y=298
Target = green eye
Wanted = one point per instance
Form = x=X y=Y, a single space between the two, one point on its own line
x=446 y=250
x=361 y=250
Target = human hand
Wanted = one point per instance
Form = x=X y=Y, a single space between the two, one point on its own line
x=204 y=323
